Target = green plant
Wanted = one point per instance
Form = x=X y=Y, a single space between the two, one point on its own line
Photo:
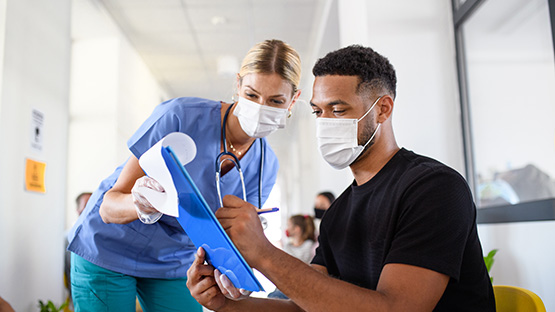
x=489 y=261
x=50 y=307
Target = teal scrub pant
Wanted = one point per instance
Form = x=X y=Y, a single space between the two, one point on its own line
x=97 y=289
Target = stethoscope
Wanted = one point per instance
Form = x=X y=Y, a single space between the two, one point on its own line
x=235 y=160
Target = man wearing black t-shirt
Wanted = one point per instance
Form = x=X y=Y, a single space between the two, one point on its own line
x=402 y=237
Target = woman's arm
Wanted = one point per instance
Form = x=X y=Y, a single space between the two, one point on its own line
x=117 y=206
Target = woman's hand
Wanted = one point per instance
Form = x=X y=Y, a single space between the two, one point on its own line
x=228 y=289
x=202 y=283
x=140 y=191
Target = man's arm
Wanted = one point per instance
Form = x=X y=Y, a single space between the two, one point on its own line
x=400 y=288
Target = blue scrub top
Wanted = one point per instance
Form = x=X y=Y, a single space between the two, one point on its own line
x=162 y=249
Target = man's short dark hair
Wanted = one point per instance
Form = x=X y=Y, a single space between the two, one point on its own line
x=374 y=71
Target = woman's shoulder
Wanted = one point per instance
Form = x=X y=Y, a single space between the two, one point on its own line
x=191 y=102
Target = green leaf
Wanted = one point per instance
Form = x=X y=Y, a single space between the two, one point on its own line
x=51 y=307
x=489 y=259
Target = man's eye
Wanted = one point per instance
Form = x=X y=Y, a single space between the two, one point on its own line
x=338 y=111
x=317 y=113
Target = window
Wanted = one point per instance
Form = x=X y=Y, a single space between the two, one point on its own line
x=507 y=74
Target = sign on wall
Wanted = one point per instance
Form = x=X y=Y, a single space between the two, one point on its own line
x=37 y=128
x=34 y=176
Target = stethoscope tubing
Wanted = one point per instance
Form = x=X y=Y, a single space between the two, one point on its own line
x=235 y=160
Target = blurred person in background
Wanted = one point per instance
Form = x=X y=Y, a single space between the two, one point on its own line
x=321 y=203
x=301 y=242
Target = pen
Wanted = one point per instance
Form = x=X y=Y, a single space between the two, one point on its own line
x=265 y=210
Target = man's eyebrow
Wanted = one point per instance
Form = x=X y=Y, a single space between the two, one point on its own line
x=332 y=103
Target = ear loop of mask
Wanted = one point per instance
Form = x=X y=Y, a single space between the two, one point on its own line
x=368 y=111
x=379 y=124
x=373 y=135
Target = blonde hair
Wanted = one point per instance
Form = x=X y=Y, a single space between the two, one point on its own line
x=273 y=56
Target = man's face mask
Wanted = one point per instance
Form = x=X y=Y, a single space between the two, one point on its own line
x=338 y=139
x=258 y=120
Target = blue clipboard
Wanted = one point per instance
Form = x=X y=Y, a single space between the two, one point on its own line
x=204 y=230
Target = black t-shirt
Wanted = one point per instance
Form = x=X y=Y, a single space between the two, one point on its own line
x=415 y=211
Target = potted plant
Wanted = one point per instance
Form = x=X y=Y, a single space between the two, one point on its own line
x=50 y=307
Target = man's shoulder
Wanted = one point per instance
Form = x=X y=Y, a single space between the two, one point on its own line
x=420 y=165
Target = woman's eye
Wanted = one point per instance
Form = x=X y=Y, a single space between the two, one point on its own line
x=252 y=96
x=277 y=102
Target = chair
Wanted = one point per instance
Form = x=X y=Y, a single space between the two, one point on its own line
x=516 y=299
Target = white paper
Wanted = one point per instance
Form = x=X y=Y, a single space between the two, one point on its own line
x=154 y=166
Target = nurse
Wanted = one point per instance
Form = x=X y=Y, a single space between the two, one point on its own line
x=122 y=247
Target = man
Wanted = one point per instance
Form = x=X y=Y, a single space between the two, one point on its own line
x=81 y=201
x=402 y=237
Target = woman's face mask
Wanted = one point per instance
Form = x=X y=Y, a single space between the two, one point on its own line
x=338 y=139
x=258 y=120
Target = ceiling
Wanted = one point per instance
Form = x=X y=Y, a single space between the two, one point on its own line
x=184 y=41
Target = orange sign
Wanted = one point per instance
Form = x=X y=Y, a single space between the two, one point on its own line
x=34 y=176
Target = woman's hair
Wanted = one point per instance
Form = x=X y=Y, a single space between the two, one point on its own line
x=328 y=195
x=306 y=223
x=273 y=56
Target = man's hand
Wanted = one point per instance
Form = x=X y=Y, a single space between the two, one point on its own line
x=242 y=224
x=202 y=285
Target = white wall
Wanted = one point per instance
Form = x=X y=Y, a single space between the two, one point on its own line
x=35 y=75
x=2 y=33
x=112 y=93
x=525 y=256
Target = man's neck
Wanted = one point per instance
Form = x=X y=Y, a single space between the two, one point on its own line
x=373 y=160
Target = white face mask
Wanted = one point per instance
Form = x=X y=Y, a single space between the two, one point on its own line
x=338 y=140
x=258 y=120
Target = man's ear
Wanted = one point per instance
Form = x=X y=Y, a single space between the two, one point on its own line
x=385 y=106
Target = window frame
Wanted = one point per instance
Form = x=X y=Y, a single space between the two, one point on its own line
x=538 y=210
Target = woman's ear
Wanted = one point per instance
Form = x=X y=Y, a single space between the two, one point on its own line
x=294 y=99
x=239 y=80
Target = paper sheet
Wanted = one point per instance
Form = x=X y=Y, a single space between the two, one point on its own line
x=155 y=167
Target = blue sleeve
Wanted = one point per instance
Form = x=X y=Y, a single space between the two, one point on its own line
x=197 y=117
x=161 y=122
